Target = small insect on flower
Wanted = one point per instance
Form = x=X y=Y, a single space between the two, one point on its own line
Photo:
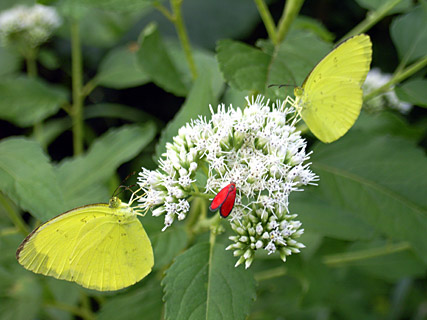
x=224 y=200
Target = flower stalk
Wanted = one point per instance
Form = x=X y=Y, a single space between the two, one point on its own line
x=77 y=81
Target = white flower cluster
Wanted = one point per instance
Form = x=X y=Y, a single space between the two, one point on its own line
x=257 y=148
x=29 y=25
x=377 y=79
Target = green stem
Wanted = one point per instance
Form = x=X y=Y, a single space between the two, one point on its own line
x=416 y=66
x=267 y=19
x=339 y=259
x=183 y=36
x=372 y=18
x=31 y=63
x=290 y=12
x=77 y=80
x=89 y=87
x=14 y=215
x=159 y=6
x=200 y=195
x=270 y=274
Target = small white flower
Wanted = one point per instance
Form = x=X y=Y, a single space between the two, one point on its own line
x=28 y=26
x=259 y=150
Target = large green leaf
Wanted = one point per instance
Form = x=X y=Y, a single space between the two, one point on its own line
x=155 y=61
x=413 y=91
x=55 y=127
x=379 y=180
x=376 y=256
x=197 y=104
x=204 y=284
x=82 y=177
x=409 y=34
x=248 y=68
x=319 y=215
x=142 y=303
x=28 y=178
x=206 y=64
x=25 y=101
x=9 y=62
x=119 y=69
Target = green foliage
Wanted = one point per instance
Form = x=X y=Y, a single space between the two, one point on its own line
x=145 y=74
x=26 y=101
x=203 y=283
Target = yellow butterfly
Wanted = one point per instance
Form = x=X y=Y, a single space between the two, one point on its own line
x=99 y=246
x=330 y=98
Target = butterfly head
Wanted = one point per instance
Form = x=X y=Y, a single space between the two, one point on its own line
x=298 y=91
x=115 y=203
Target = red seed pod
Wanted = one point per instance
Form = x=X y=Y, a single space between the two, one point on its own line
x=224 y=200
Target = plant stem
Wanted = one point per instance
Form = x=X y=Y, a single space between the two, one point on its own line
x=201 y=195
x=290 y=12
x=372 y=18
x=31 y=63
x=14 y=215
x=267 y=19
x=77 y=80
x=416 y=66
x=340 y=259
x=270 y=274
x=183 y=36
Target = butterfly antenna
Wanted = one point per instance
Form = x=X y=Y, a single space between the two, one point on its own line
x=115 y=194
x=281 y=85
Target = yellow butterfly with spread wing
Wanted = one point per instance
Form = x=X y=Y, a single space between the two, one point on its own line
x=330 y=98
x=99 y=246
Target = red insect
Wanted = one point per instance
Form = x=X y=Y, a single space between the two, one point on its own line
x=224 y=200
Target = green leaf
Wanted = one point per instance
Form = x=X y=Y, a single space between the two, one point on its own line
x=142 y=303
x=117 y=5
x=154 y=59
x=82 y=177
x=26 y=101
x=248 y=68
x=376 y=256
x=28 y=178
x=379 y=180
x=119 y=69
x=205 y=62
x=204 y=284
x=9 y=62
x=401 y=6
x=413 y=91
x=24 y=301
x=98 y=27
x=244 y=67
x=167 y=245
x=409 y=34
x=197 y=104
x=318 y=215
x=387 y=122
x=55 y=127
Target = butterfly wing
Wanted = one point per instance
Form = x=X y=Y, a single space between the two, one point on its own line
x=228 y=203
x=332 y=95
x=91 y=245
x=219 y=198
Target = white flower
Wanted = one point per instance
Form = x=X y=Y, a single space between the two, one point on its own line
x=28 y=25
x=257 y=148
x=377 y=79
